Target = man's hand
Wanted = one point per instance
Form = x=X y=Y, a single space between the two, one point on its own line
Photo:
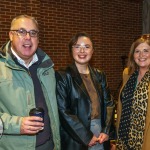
x=31 y=125
x=103 y=137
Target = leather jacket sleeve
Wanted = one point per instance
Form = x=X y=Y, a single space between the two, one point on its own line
x=107 y=101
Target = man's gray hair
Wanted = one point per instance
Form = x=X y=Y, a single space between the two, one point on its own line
x=24 y=16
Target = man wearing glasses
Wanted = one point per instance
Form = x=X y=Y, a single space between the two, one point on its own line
x=27 y=81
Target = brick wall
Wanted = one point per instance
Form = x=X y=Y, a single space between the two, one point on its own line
x=112 y=23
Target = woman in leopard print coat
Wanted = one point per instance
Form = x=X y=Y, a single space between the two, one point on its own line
x=133 y=111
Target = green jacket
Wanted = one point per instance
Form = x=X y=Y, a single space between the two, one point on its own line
x=17 y=98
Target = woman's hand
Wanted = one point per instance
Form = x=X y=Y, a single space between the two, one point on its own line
x=103 y=137
x=93 y=141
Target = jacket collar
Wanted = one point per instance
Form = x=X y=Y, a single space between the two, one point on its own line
x=4 y=48
x=72 y=69
x=75 y=73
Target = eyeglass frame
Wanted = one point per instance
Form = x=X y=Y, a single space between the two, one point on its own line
x=26 y=32
x=82 y=46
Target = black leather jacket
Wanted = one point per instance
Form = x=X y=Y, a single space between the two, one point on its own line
x=75 y=107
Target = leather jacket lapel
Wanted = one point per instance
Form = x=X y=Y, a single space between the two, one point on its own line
x=96 y=83
x=77 y=78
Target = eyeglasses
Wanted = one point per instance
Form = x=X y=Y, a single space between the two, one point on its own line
x=23 y=32
x=78 y=47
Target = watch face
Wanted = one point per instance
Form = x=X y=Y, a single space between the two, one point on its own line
x=1 y=127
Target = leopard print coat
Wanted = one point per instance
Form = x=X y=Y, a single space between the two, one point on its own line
x=146 y=143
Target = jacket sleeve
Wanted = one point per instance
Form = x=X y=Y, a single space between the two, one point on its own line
x=108 y=102
x=69 y=120
x=11 y=124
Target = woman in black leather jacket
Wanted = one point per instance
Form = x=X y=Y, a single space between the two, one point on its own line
x=84 y=100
